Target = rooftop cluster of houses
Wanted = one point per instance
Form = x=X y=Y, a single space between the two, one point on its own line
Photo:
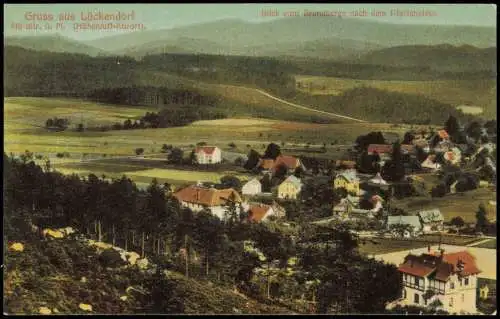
x=423 y=221
x=199 y=197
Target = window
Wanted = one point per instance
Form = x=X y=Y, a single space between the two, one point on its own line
x=466 y=281
x=452 y=285
x=404 y=293
x=406 y=277
x=463 y=297
x=417 y=281
x=417 y=299
x=451 y=302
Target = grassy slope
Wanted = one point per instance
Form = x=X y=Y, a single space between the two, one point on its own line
x=21 y=112
x=461 y=204
x=25 y=292
x=455 y=92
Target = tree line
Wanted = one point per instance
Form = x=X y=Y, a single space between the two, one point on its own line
x=154 y=223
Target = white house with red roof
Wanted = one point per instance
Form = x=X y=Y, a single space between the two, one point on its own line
x=451 y=277
x=208 y=155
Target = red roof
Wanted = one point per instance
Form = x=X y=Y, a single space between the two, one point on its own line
x=266 y=163
x=443 y=134
x=257 y=212
x=206 y=196
x=209 y=150
x=379 y=148
x=427 y=264
x=450 y=156
x=289 y=161
x=468 y=260
x=416 y=269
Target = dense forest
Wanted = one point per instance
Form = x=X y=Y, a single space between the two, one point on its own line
x=168 y=79
x=149 y=95
x=153 y=223
x=384 y=106
x=32 y=73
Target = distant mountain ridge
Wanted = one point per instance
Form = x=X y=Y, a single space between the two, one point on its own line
x=239 y=33
x=309 y=37
x=327 y=48
x=53 y=43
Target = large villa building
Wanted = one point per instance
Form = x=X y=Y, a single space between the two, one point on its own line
x=216 y=201
x=451 y=277
x=208 y=155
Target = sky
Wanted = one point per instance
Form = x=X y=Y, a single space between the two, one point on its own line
x=166 y=16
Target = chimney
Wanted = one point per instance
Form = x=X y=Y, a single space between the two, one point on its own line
x=442 y=254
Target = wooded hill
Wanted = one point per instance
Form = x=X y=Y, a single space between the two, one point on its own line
x=443 y=58
x=31 y=73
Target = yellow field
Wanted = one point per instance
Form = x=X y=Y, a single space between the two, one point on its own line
x=36 y=111
x=22 y=114
x=21 y=135
x=481 y=93
x=467 y=109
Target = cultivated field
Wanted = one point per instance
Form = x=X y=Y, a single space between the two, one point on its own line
x=25 y=117
x=22 y=113
x=491 y=244
x=464 y=204
x=389 y=245
x=478 y=93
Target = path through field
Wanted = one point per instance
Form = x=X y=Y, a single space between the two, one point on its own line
x=297 y=105
x=308 y=108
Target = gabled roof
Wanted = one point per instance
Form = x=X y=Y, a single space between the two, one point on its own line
x=405 y=220
x=209 y=150
x=289 y=161
x=431 y=215
x=206 y=196
x=294 y=180
x=440 y=267
x=466 y=258
x=418 y=265
x=266 y=163
x=257 y=212
x=443 y=134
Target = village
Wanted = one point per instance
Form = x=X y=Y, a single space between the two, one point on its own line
x=361 y=188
